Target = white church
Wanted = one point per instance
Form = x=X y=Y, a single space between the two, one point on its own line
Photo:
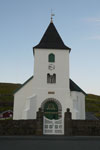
x=51 y=88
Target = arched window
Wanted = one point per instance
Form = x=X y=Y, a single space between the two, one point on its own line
x=51 y=58
x=51 y=78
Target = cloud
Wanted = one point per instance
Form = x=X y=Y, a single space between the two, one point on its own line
x=92 y=19
x=97 y=37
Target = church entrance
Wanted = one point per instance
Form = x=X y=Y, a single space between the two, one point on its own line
x=52 y=122
x=51 y=110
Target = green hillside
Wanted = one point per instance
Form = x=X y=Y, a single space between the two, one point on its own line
x=6 y=95
x=93 y=104
x=6 y=99
x=8 y=88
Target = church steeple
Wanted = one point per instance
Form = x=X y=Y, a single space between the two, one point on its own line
x=51 y=39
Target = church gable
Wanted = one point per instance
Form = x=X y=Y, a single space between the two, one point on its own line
x=75 y=87
x=24 y=84
x=72 y=84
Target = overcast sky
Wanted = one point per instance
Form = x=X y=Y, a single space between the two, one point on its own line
x=23 y=23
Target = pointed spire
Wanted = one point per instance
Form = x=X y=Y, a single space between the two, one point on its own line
x=52 y=17
x=51 y=20
x=51 y=39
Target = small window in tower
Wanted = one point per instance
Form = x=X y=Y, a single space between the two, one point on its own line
x=51 y=78
x=54 y=78
x=51 y=58
x=48 y=78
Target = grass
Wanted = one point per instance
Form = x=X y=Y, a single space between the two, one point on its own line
x=8 y=88
x=6 y=91
x=6 y=95
x=2 y=109
x=93 y=104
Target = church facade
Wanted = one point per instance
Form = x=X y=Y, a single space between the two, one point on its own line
x=51 y=88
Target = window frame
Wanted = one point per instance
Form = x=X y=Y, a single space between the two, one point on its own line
x=51 y=58
x=51 y=78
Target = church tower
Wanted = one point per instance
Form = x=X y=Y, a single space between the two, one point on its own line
x=51 y=68
x=51 y=74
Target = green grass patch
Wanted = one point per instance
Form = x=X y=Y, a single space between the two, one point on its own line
x=8 y=88
x=6 y=108
x=92 y=103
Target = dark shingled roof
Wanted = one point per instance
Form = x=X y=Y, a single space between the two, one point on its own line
x=73 y=86
x=51 y=39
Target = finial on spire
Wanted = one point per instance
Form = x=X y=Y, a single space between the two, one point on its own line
x=52 y=16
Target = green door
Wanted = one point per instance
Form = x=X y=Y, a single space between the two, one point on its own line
x=51 y=110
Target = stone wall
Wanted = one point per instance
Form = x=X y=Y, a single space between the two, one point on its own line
x=81 y=127
x=22 y=127
x=86 y=127
x=35 y=127
x=17 y=127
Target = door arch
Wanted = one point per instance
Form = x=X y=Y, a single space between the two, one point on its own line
x=52 y=108
x=52 y=120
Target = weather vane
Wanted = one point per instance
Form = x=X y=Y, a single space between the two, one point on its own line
x=52 y=14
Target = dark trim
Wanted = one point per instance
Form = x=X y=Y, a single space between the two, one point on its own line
x=23 y=84
x=75 y=87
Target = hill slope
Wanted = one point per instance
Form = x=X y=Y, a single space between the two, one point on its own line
x=93 y=104
x=6 y=95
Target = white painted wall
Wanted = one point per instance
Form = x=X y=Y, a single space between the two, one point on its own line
x=29 y=111
x=30 y=97
x=78 y=99
x=61 y=68
x=20 y=98
x=61 y=87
